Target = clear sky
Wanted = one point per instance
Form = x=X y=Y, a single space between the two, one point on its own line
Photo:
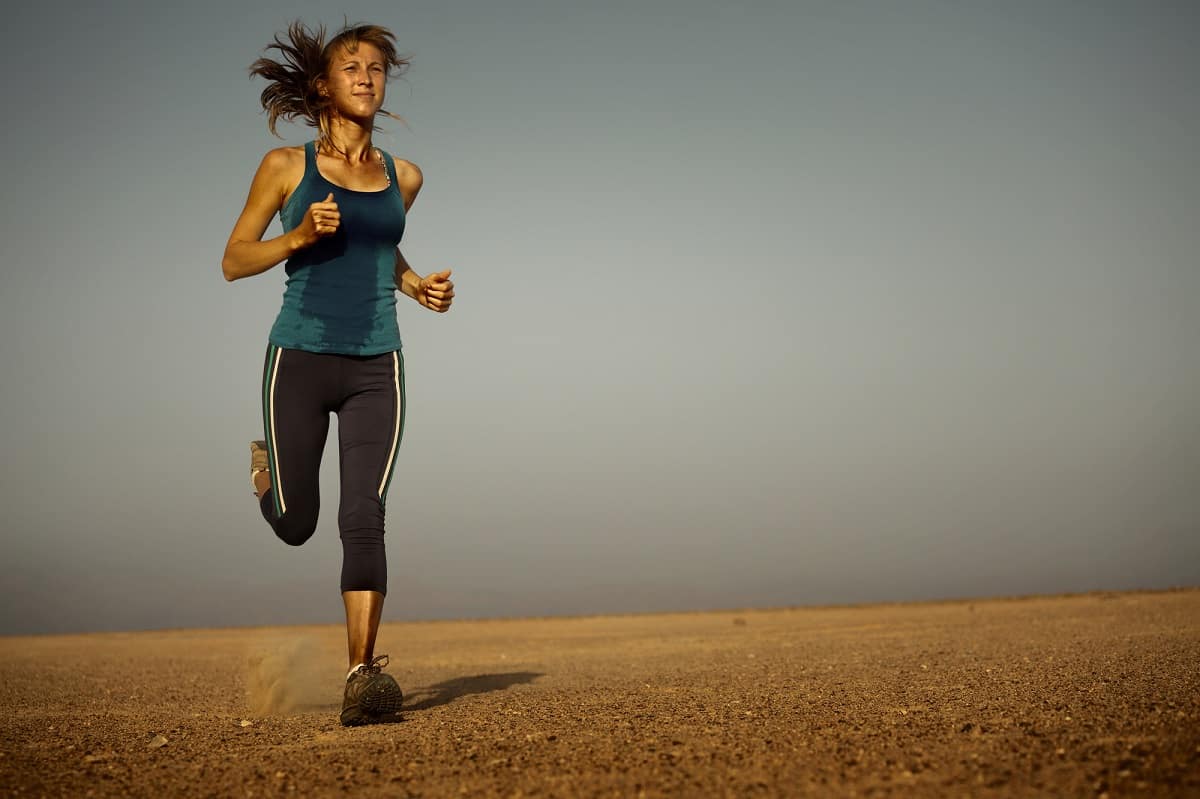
x=774 y=303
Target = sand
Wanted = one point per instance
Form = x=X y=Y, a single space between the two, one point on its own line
x=1064 y=696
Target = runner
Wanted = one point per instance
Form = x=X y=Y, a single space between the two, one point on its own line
x=335 y=345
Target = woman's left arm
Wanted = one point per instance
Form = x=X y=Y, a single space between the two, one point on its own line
x=434 y=291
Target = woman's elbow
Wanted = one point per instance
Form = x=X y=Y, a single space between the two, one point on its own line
x=229 y=269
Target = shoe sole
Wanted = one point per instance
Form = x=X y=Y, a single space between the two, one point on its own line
x=355 y=717
x=382 y=698
x=379 y=704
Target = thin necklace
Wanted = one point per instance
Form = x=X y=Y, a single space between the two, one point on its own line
x=383 y=164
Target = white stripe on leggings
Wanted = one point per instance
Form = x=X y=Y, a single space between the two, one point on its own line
x=277 y=477
x=387 y=471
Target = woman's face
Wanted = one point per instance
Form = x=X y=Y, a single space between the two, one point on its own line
x=356 y=81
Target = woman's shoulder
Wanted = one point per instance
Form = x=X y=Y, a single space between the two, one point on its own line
x=408 y=174
x=283 y=169
x=284 y=159
x=408 y=179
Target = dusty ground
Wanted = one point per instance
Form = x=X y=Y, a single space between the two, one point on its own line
x=1070 y=696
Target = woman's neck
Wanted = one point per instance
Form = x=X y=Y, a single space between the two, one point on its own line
x=350 y=139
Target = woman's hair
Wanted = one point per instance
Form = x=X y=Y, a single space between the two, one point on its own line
x=292 y=92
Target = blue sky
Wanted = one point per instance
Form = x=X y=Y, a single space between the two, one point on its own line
x=785 y=303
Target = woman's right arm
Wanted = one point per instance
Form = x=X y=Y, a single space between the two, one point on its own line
x=246 y=253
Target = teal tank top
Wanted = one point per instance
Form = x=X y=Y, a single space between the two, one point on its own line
x=340 y=293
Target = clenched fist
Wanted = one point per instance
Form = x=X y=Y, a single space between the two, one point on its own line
x=436 y=292
x=320 y=220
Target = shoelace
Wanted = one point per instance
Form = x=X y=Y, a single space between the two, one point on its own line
x=375 y=666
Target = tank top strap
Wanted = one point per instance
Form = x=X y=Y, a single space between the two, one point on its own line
x=310 y=157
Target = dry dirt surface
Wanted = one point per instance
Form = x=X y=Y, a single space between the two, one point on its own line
x=1064 y=696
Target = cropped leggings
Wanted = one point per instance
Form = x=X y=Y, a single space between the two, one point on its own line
x=300 y=390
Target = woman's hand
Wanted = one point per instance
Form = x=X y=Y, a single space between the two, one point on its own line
x=320 y=220
x=435 y=291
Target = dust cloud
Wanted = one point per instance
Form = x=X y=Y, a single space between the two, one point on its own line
x=290 y=674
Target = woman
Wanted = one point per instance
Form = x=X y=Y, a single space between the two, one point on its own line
x=335 y=345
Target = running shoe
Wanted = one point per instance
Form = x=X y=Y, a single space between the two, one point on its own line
x=371 y=696
x=259 y=462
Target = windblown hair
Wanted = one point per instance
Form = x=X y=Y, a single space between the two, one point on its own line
x=292 y=82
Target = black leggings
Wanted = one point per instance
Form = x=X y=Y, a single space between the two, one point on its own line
x=300 y=390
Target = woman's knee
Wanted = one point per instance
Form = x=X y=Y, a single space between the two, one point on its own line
x=298 y=522
x=295 y=527
x=360 y=515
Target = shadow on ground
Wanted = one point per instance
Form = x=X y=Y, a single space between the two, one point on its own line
x=444 y=693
